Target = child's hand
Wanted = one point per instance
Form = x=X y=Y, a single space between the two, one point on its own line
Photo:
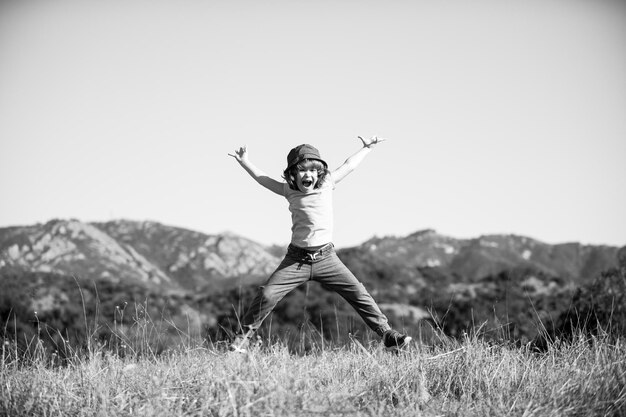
x=241 y=154
x=374 y=140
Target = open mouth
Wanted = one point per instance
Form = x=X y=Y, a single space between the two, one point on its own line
x=307 y=183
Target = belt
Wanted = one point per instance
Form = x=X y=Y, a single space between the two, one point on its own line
x=310 y=255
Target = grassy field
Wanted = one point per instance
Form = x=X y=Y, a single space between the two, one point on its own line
x=586 y=377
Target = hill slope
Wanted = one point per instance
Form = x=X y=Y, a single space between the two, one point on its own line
x=146 y=252
x=472 y=259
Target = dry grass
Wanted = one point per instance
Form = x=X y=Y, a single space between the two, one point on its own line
x=456 y=378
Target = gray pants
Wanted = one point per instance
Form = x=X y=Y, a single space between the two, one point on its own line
x=323 y=266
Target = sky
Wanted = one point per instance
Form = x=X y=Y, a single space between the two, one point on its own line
x=500 y=116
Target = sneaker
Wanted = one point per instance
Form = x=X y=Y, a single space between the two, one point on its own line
x=239 y=344
x=395 y=341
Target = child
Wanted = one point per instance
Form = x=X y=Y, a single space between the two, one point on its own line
x=311 y=255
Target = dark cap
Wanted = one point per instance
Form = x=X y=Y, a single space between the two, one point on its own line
x=302 y=152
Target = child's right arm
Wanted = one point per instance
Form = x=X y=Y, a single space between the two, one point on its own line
x=241 y=155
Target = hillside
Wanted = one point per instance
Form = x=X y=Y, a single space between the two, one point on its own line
x=146 y=252
x=194 y=260
x=507 y=283
x=472 y=259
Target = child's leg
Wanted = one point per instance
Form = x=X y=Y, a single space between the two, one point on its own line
x=334 y=275
x=290 y=274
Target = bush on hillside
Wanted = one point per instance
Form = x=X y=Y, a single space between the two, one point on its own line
x=597 y=309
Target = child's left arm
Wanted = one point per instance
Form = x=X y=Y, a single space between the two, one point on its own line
x=352 y=162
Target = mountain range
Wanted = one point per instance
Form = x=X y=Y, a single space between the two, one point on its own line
x=473 y=259
x=174 y=258
x=163 y=257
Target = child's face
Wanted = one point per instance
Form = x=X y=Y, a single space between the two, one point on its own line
x=306 y=178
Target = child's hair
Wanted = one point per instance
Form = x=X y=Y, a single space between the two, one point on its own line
x=290 y=173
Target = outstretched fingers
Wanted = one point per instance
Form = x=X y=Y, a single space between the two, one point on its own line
x=372 y=141
x=240 y=153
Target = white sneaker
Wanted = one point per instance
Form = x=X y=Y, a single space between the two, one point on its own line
x=239 y=344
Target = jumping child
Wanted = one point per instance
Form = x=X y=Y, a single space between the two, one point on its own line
x=308 y=188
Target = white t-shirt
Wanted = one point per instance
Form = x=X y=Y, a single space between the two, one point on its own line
x=311 y=214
